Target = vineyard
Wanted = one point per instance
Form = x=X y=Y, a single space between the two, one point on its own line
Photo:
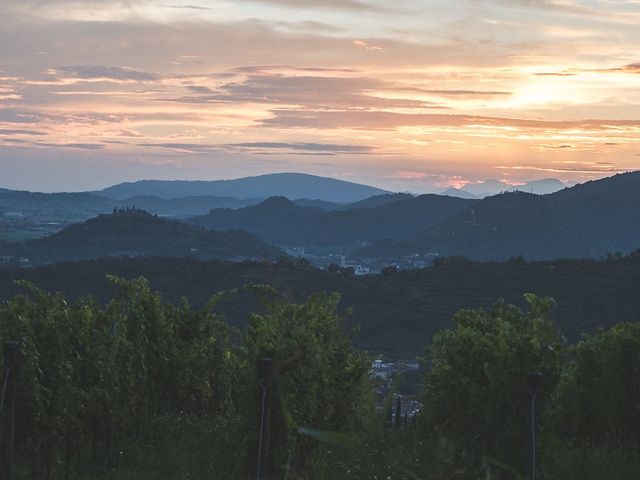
x=142 y=388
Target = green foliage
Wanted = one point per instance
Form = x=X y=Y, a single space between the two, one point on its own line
x=137 y=233
x=476 y=394
x=563 y=461
x=398 y=314
x=140 y=388
x=597 y=401
x=95 y=376
x=321 y=382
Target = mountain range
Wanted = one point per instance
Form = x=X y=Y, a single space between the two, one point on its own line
x=290 y=185
x=487 y=188
x=588 y=220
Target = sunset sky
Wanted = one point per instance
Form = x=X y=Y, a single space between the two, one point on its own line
x=413 y=95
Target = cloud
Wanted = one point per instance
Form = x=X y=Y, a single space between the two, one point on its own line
x=588 y=168
x=4 y=131
x=199 y=89
x=196 y=148
x=557 y=147
x=187 y=7
x=305 y=147
x=129 y=133
x=270 y=69
x=310 y=91
x=353 y=5
x=82 y=146
x=389 y=120
x=104 y=73
x=265 y=148
x=457 y=93
x=367 y=46
x=630 y=68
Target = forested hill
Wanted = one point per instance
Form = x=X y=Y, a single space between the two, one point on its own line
x=290 y=185
x=137 y=233
x=281 y=221
x=397 y=312
x=588 y=220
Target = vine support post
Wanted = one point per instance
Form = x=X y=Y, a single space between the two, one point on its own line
x=265 y=367
x=535 y=385
x=8 y=409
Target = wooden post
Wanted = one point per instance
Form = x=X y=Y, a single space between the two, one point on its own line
x=397 y=421
x=265 y=367
x=535 y=385
x=8 y=409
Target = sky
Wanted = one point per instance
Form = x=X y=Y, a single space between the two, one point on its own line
x=408 y=95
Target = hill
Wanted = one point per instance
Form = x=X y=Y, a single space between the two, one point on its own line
x=397 y=313
x=459 y=193
x=137 y=233
x=379 y=200
x=290 y=185
x=588 y=220
x=281 y=221
x=373 y=201
x=29 y=215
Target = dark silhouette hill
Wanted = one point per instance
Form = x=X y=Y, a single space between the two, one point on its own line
x=290 y=185
x=137 y=233
x=587 y=220
x=397 y=313
x=605 y=211
x=281 y=221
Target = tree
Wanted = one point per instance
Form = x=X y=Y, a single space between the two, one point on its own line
x=96 y=376
x=321 y=383
x=476 y=394
x=597 y=400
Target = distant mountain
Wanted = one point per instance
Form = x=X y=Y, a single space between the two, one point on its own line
x=588 y=220
x=290 y=185
x=486 y=188
x=540 y=187
x=458 y=193
x=281 y=221
x=138 y=233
